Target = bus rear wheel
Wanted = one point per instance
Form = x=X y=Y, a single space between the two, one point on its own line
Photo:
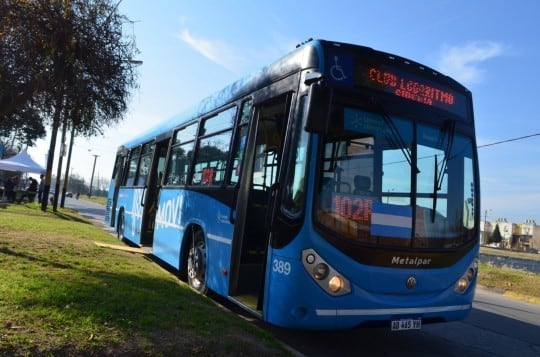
x=196 y=263
x=121 y=225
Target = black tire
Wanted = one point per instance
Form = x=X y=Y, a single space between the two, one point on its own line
x=196 y=263
x=120 y=226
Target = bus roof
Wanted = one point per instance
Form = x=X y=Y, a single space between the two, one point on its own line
x=307 y=55
x=301 y=58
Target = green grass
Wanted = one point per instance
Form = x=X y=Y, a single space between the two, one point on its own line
x=62 y=294
x=96 y=199
x=515 y=283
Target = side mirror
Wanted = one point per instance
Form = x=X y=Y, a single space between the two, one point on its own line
x=318 y=105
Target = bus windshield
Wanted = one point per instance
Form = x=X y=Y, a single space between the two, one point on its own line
x=388 y=180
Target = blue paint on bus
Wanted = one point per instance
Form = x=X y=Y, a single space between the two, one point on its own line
x=339 y=188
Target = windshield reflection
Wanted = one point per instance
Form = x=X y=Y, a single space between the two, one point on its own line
x=410 y=191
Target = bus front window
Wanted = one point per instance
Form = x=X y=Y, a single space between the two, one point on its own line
x=445 y=205
x=398 y=183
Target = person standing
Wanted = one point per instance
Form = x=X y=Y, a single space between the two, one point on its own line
x=15 y=185
x=10 y=188
x=30 y=191
x=41 y=187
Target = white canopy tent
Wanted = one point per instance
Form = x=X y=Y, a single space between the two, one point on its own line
x=22 y=162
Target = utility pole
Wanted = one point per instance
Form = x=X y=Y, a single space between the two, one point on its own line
x=66 y=175
x=92 y=179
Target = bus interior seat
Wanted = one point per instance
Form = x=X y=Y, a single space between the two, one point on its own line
x=344 y=187
x=362 y=185
x=328 y=183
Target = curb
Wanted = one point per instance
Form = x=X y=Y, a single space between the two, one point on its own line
x=522 y=297
x=512 y=295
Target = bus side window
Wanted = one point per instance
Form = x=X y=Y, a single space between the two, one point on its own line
x=177 y=169
x=144 y=168
x=181 y=154
x=132 y=168
x=240 y=143
x=210 y=163
x=211 y=160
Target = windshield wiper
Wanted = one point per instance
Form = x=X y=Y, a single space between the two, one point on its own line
x=448 y=131
x=395 y=135
x=435 y=190
x=335 y=152
x=438 y=176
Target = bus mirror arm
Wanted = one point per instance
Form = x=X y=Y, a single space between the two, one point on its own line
x=143 y=195
x=313 y=77
x=318 y=104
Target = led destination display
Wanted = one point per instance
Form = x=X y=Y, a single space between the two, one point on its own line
x=411 y=87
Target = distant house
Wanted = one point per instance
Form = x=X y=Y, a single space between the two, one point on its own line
x=517 y=236
x=530 y=232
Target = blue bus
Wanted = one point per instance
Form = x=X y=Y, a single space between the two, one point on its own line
x=337 y=187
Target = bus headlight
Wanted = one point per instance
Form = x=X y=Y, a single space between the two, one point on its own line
x=329 y=279
x=461 y=285
x=335 y=284
x=320 y=271
x=466 y=279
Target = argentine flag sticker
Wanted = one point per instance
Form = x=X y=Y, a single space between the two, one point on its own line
x=391 y=220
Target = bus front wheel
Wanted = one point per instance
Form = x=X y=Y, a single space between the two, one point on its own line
x=196 y=263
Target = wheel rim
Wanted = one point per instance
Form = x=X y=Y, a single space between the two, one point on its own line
x=120 y=231
x=197 y=264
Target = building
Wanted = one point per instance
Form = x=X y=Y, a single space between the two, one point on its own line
x=529 y=236
x=516 y=236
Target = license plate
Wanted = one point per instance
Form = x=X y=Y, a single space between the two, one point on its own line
x=406 y=324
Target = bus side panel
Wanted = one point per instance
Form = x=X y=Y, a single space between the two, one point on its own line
x=168 y=229
x=218 y=232
x=180 y=209
x=129 y=200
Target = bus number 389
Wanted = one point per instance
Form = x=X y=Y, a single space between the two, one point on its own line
x=281 y=267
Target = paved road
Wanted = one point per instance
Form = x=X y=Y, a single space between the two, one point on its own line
x=91 y=210
x=497 y=326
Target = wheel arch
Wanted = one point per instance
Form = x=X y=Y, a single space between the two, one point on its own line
x=191 y=229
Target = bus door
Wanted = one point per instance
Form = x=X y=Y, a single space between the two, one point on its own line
x=255 y=199
x=149 y=199
x=114 y=188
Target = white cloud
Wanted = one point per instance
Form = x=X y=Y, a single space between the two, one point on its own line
x=464 y=63
x=217 y=52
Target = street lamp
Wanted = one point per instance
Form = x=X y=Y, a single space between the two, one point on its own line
x=92 y=178
x=485 y=227
x=388 y=196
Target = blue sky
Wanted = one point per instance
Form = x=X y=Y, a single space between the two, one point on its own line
x=191 y=49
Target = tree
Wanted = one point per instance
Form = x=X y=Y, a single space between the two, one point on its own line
x=20 y=123
x=68 y=61
x=496 y=237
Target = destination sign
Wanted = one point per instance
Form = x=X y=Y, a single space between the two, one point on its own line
x=410 y=87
